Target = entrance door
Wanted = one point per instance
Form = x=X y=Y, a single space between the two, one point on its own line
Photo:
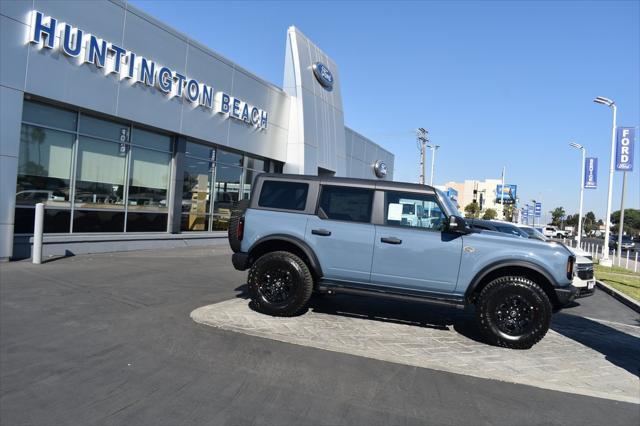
x=410 y=250
x=341 y=234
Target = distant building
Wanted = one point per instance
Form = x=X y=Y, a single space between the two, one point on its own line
x=484 y=192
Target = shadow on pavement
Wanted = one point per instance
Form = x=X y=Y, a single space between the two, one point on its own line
x=619 y=348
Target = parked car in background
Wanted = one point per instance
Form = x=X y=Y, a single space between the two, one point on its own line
x=497 y=226
x=627 y=243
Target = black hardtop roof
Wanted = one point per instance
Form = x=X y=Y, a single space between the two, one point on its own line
x=352 y=181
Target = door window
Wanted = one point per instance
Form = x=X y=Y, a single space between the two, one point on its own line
x=345 y=203
x=413 y=210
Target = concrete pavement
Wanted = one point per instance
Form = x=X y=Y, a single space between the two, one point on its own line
x=107 y=339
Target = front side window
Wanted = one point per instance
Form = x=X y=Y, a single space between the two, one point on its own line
x=413 y=210
x=345 y=203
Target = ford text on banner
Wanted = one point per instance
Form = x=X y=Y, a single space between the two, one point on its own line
x=625 y=138
x=591 y=172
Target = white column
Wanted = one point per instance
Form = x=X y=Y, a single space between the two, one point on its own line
x=605 y=260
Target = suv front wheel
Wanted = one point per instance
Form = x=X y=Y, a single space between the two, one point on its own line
x=280 y=284
x=513 y=312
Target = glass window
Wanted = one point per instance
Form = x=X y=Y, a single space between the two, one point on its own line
x=44 y=167
x=146 y=222
x=229 y=158
x=257 y=164
x=196 y=192
x=98 y=221
x=100 y=174
x=227 y=191
x=200 y=151
x=283 y=195
x=149 y=181
x=55 y=220
x=345 y=203
x=413 y=210
x=151 y=140
x=102 y=128
x=34 y=112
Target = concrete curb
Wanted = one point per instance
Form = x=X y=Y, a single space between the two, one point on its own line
x=621 y=297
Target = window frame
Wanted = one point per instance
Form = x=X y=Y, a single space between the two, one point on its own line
x=323 y=185
x=385 y=207
x=281 y=181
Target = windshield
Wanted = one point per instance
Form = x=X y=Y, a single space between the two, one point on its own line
x=449 y=204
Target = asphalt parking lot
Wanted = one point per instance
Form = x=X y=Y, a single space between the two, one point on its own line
x=108 y=339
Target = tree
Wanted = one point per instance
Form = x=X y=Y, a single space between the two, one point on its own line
x=572 y=220
x=489 y=214
x=556 y=216
x=589 y=222
x=631 y=221
x=472 y=210
x=508 y=212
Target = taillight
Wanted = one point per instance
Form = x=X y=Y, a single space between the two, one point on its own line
x=240 y=229
x=570 y=264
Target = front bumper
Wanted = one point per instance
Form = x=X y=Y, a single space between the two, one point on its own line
x=240 y=261
x=566 y=295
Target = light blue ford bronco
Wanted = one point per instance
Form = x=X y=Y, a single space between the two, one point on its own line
x=303 y=234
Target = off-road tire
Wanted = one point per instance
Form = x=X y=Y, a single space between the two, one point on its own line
x=531 y=299
x=294 y=274
x=232 y=233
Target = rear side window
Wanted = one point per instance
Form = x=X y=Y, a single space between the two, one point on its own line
x=277 y=194
x=345 y=203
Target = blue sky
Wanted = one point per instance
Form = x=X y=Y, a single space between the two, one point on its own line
x=495 y=83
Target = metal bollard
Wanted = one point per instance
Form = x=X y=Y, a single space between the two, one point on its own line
x=635 y=267
x=626 y=266
x=38 y=227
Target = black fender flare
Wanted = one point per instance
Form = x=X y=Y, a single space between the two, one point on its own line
x=300 y=244
x=477 y=279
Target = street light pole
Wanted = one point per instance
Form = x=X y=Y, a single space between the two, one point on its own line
x=584 y=154
x=433 y=160
x=606 y=261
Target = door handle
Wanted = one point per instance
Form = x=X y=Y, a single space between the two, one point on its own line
x=391 y=240
x=321 y=232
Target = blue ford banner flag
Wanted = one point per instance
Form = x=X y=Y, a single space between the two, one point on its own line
x=538 y=210
x=625 y=137
x=591 y=172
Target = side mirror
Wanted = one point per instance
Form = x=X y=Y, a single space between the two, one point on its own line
x=458 y=225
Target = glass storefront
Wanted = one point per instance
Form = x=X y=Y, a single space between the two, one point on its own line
x=93 y=175
x=101 y=175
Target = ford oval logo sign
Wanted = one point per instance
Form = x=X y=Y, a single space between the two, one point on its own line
x=323 y=75
x=380 y=169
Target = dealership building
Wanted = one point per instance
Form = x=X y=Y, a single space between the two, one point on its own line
x=133 y=135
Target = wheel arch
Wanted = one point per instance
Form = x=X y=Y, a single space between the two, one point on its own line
x=529 y=270
x=288 y=243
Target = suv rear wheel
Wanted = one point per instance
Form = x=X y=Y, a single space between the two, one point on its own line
x=513 y=312
x=280 y=284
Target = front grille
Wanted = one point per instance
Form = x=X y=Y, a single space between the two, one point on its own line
x=585 y=273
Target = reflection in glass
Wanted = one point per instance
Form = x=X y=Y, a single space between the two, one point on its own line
x=229 y=158
x=44 y=167
x=55 y=220
x=196 y=193
x=227 y=191
x=146 y=222
x=200 y=151
x=98 y=221
x=152 y=140
x=102 y=128
x=100 y=174
x=149 y=182
x=35 y=112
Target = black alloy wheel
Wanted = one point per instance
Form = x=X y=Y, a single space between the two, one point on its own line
x=280 y=284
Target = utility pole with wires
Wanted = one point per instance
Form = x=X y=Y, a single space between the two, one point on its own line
x=422 y=139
